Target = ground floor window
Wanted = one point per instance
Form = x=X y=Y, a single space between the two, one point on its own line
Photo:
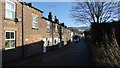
x=9 y=39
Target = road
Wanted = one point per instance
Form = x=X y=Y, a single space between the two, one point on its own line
x=73 y=55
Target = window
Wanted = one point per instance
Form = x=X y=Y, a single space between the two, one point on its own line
x=10 y=39
x=48 y=26
x=34 y=22
x=56 y=28
x=10 y=9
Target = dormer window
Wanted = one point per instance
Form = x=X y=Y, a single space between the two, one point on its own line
x=10 y=9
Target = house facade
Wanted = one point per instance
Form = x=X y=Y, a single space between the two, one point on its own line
x=24 y=31
x=11 y=30
x=0 y=33
x=53 y=32
x=66 y=35
x=0 y=26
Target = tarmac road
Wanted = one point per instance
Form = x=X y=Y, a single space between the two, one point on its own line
x=77 y=54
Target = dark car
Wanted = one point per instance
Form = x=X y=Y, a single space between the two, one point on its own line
x=76 y=38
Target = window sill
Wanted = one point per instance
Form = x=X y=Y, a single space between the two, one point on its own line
x=9 y=19
x=35 y=28
x=9 y=48
x=48 y=32
x=56 y=32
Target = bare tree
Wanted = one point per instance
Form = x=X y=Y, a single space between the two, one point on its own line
x=94 y=12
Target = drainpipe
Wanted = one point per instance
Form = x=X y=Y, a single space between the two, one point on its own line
x=50 y=18
x=60 y=35
x=23 y=30
x=52 y=32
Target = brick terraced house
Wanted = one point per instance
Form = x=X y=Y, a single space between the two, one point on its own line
x=0 y=33
x=25 y=31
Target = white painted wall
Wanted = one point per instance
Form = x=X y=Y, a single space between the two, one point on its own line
x=71 y=36
x=44 y=45
x=50 y=41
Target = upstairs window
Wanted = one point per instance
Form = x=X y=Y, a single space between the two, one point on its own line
x=48 y=26
x=10 y=9
x=35 y=22
x=56 y=28
x=10 y=39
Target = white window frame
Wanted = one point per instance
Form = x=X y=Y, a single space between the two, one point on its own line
x=35 y=23
x=10 y=39
x=48 y=26
x=56 y=28
x=8 y=9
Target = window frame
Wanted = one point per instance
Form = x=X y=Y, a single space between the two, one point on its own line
x=10 y=10
x=35 y=23
x=56 y=28
x=48 y=25
x=10 y=39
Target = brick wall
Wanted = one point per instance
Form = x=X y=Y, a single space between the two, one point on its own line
x=0 y=33
x=0 y=24
x=10 y=25
x=32 y=41
x=32 y=37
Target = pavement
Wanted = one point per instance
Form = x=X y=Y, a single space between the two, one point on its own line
x=74 y=54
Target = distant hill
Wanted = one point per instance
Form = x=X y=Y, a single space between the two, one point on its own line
x=83 y=28
x=78 y=28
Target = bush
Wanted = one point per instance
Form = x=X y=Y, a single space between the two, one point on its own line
x=102 y=40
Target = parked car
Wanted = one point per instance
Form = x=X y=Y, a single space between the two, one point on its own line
x=76 y=38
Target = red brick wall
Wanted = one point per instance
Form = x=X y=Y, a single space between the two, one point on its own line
x=10 y=25
x=32 y=37
x=33 y=45
x=0 y=25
